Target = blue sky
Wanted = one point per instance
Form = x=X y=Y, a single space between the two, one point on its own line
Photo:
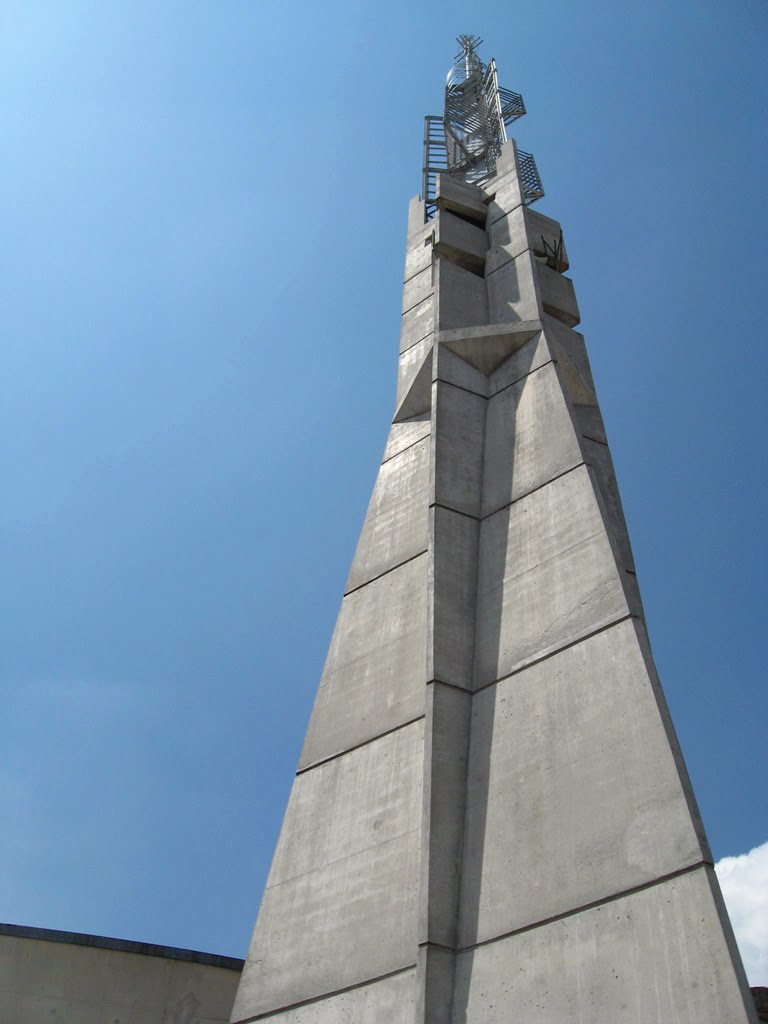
x=203 y=212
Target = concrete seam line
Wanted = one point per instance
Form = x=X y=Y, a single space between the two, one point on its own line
x=593 y=439
x=386 y=572
x=460 y=387
x=509 y=259
x=453 y=686
x=411 y=445
x=565 y=647
x=611 y=898
x=415 y=343
x=357 y=746
x=456 y=511
x=326 y=995
x=431 y=295
x=549 y=362
x=533 y=490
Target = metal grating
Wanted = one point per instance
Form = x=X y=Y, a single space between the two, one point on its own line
x=466 y=141
x=530 y=179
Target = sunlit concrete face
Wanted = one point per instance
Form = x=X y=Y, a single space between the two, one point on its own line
x=492 y=819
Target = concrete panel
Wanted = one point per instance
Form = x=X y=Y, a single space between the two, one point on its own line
x=547 y=576
x=462 y=298
x=590 y=422
x=389 y=999
x=436 y=983
x=530 y=438
x=459 y=418
x=66 y=982
x=513 y=291
x=460 y=197
x=395 y=527
x=534 y=353
x=348 y=856
x=376 y=667
x=452 y=597
x=445 y=774
x=417 y=323
x=507 y=195
x=488 y=347
x=460 y=240
x=558 y=296
x=403 y=435
x=418 y=288
x=572 y=781
x=453 y=369
x=522 y=229
x=418 y=253
x=657 y=956
x=599 y=458
x=409 y=364
x=572 y=345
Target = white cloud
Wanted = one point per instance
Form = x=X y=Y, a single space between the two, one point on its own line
x=744 y=881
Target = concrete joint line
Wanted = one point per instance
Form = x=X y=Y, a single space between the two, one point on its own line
x=326 y=995
x=456 y=511
x=415 y=343
x=429 y=944
x=357 y=746
x=533 y=490
x=587 y=437
x=425 y=299
x=530 y=373
x=386 y=572
x=502 y=215
x=453 y=686
x=460 y=387
x=553 y=654
x=341 y=860
x=510 y=259
x=407 y=448
x=611 y=898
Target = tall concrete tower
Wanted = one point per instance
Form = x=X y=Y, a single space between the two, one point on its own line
x=491 y=821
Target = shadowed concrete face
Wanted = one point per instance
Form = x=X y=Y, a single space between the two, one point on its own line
x=492 y=821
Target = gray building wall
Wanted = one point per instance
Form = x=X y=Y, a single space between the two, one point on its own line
x=53 y=977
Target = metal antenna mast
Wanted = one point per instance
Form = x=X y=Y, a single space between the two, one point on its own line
x=466 y=141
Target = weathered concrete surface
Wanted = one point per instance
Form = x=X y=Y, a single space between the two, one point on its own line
x=547 y=576
x=513 y=291
x=530 y=439
x=658 y=956
x=395 y=527
x=417 y=323
x=572 y=781
x=557 y=295
x=457 y=459
x=348 y=856
x=463 y=296
x=389 y=1000
x=406 y=433
x=374 y=676
x=520 y=230
x=85 y=979
x=539 y=857
x=451 y=597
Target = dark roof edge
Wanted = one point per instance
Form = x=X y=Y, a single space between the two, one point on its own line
x=21 y=931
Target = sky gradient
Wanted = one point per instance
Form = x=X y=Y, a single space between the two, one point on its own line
x=203 y=216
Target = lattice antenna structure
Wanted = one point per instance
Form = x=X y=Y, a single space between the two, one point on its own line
x=466 y=141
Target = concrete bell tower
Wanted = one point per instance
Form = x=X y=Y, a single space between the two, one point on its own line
x=491 y=820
